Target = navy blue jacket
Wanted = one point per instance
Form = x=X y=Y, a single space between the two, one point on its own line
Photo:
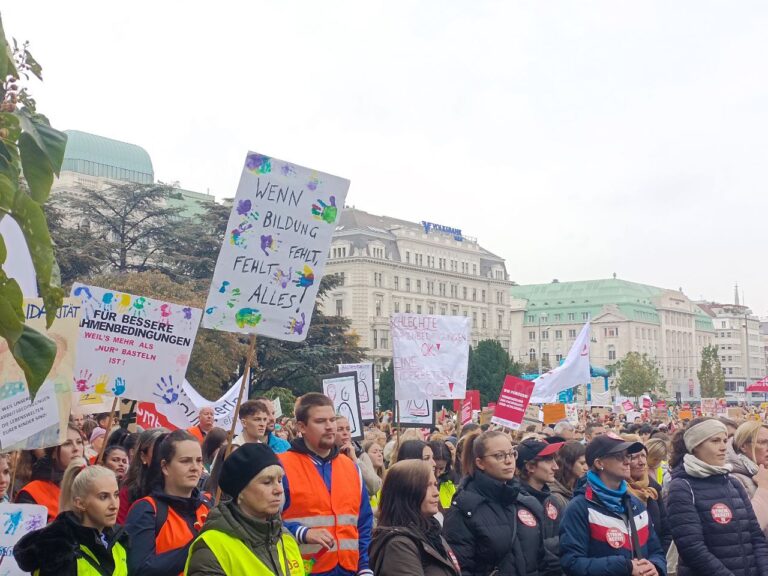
x=594 y=541
x=714 y=527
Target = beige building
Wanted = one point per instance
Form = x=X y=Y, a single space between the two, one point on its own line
x=390 y=265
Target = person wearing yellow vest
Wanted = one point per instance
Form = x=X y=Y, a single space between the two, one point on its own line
x=447 y=479
x=245 y=535
x=326 y=502
x=83 y=539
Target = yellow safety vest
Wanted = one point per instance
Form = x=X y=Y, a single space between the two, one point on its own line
x=235 y=558
x=447 y=490
x=375 y=499
x=86 y=565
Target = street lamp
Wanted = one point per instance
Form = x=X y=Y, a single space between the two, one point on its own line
x=746 y=346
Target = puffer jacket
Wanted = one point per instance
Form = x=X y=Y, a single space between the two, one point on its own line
x=714 y=527
x=657 y=510
x=561 y=493
x=493 y=525
x=553 y=512
x=260 y=536
x=407 y=551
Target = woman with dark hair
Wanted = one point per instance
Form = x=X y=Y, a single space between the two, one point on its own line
x=493 y=526
x=133 y=487
x=44 y=487
x=415 y=450
x=649 y=493
x=116 y=459
x=571 y=467
x=447 y=479
x=163 y=525
x=407 y=540
x=715 y=529
x=214 y=440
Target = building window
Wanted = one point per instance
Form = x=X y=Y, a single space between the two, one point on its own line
x=499 y=297
x=585 y=316
x=500 y=321
x=483 y=322
x=482 y=296
x=474 y=294
x=418 y=308
x=378 y=279
x=407 y=257
x=532 y=335
x=571 y=316
x=397 y=283
x=572 y=333
x=378 y=306
x=407 y=284
x=558 y=317
x=611 y=353
x=531 y=318
x=474 y=269
x=558 y=358
x=418 y=286
x=545 y=358
x=339 y=307
x=397 y=307
x=454 y=310
x=431 y=309
x=464 y=292
x=375 y=338
x=384 y=341
x=532 y=354
x=611 y=332
x=545 y=334
x=340 y=276
x=443 y=310
x=558 y=334
x=474 y=319
x=407 y=308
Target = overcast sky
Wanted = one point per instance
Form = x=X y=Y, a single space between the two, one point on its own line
x=575 y=139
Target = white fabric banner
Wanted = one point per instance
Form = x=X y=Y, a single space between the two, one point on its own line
x=430 y=355
x=184 y=412
x=572 y=372
x=274 y=251
x=364 y=387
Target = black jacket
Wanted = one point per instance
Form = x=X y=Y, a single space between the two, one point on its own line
x=54 y=550
x=493 y=525
x=408 y=551
x=657 y=510
x=714 y=527
x=552 y=513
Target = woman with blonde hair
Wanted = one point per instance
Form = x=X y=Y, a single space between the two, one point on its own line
x=656 y=459
x=83 y=538
x=747 y=453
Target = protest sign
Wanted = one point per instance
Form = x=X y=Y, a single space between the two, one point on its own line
x=25 y=425
x=513 y=402
x=646 y=402
x=554 y=413
x=430 y=355
x=601 y=413
x=473 y=396
x=734 y=413
x=534 y=413
x=601 y=398
x=17 y=520
x=415 y=413
x=709 y=406
x=343 y=391
x=131 y=346
x=661 y=404
x=632 y=415
x=269 y=268
x=485 y=416
x=278 y=407
x=627 y=405
x=572 y=413
x=365 y=387
x=466 y=412
x=685 y=415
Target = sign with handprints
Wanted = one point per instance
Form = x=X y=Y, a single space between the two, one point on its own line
x=274 y=251
x=132 y=346
x=343 y=391
x=25 y=424
x=364 y=373
x=17 y=520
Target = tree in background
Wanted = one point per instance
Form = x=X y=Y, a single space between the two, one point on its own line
x=638 y=375
x=710 y=373
x=287 y=399
x=489 y=364
x=387 y=388
x=195 y=243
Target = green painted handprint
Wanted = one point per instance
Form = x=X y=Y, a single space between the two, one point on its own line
x=326 y=212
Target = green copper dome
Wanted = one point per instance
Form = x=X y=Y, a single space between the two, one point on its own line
x=103 y=157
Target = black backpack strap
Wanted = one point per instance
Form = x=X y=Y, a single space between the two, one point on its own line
x=389 y=536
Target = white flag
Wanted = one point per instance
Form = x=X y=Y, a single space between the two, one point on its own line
x=573 y=372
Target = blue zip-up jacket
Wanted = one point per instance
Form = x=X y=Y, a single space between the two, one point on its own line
x=364 y=520
x=277 y=444
x=594 y=541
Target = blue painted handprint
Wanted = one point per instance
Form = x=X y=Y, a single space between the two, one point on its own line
x=169 y=393
x=119 y=387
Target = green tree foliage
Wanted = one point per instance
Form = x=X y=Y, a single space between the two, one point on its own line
x=489 y=364
x=287 y=399
x=710 y=373
x=196 y=242
x=387 y=388
x=31 y=153
x=638 y=375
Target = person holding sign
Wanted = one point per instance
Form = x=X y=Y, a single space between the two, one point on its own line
x=245 y=535
x=163 y=525
x=82 y=540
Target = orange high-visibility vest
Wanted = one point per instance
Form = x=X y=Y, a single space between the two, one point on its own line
x=197 y=433
x=46 y=494
x=313 y=506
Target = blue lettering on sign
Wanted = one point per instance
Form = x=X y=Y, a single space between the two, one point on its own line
x=65 y=311
x=455 y=232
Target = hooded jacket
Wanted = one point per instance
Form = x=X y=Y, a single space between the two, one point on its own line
x=260 y=536
x=406 y=551
x=714 y=527
x=561 y=493
x=493 y=525
x=55 y=549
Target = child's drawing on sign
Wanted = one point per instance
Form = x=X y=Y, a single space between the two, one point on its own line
x=169 y=392
x=12 y=521
x=345 y=409
x=34 y=522
x=342 y=390
x=281 y=278
x=418 y=407
x=325 y=212
x=249 y=216
x=296 y=326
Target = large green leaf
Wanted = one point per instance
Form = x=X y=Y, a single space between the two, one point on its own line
x=49 y=140
x=7 y=66
x=35 y=353
x=11 y=309
x=36 y=167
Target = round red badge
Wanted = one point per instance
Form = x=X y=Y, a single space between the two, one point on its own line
x=526 y=518
x=551 y=511
x=615 y=537
x=721 y=513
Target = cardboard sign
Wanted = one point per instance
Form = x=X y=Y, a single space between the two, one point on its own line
x=533 y=413
x=416 y=413
x=662 y=415
x=365 y=387
x=709 y=406
x=513 y=402
x=601 y=413
x=685 y=415
x=279 y=231
x=17 y=520
x=131 y=346
x=430 y=355
x=554 y=413
x=735 y=413
x=485 y=416
x=342 y=390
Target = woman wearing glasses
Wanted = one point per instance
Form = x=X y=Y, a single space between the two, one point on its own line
x=493 y=527
x=605 y=529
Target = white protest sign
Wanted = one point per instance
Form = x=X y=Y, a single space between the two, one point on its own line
x=415 y=413
x=430 y=355
x=278 y=407
x=342 y=390
x=25 y=425
x=17 y=520
x=365 y=387
x=274 y=251
x=132 y=346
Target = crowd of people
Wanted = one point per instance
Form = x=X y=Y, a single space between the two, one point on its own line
x=294 y=496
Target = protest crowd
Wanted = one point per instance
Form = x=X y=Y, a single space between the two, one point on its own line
x=299 y=495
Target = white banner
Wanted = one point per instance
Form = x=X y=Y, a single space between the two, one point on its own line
x=416 y=413
x=131 y=346
x=572 y=372
x=17 y=520
x=342 y=390
x=274 y=251
x=364 y=387
x=430 y=355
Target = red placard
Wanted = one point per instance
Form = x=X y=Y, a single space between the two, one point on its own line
x=148 y=417
x=628 y=405
x=473 y=396
x=466 y=412
x=661 y=405
x=513 y=401
x=646 y=403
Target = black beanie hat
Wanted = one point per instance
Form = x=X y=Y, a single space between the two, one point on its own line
x=243 y=465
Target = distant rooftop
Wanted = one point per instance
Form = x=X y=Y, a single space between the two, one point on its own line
x=107 y=158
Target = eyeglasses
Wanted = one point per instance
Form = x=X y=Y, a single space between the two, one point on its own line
x=502 y=456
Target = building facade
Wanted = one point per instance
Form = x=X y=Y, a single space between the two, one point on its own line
x=625 y=317
x=390 y=265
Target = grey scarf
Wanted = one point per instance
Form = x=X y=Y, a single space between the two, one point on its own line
x=700 y=469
